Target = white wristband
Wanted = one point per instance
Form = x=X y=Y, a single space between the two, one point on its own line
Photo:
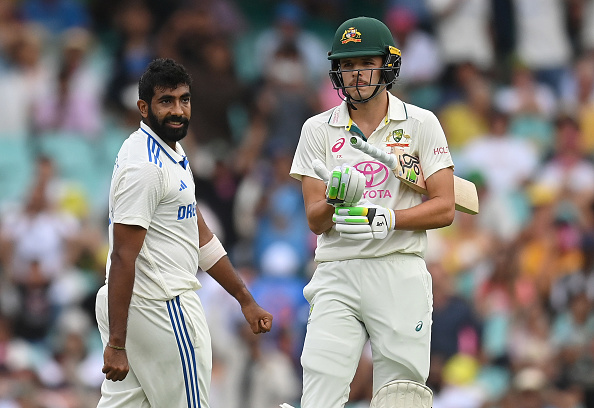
x=210 y=253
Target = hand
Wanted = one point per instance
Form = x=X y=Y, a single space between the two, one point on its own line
x=362 y=223
x=345 y=185
x=115 y=364
x=259 y=319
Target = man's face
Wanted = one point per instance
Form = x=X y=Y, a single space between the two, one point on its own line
x=169 y=113
x=361 y=76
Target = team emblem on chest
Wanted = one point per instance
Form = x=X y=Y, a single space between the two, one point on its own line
x=397 y=138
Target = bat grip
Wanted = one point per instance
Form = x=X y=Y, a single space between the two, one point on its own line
x=386 y=158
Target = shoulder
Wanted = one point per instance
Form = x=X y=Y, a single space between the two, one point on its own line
x=419 y=114
x=322 y=118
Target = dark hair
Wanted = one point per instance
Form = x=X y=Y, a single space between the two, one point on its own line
x=162 y=73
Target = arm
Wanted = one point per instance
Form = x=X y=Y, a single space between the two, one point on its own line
x=436 y=212
x=127 y=242
x=223 y=272
x=317 y=210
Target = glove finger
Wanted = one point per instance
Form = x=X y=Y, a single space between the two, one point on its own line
x=334 y=184
x=357 y=237
x=350 y=220
x=356 y=187
x=345 y=177
x=351 y=211
x=352 y=229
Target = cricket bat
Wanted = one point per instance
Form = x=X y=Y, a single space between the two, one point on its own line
x=408 y=170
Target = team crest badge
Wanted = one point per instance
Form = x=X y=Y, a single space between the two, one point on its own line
x=398 y=138
x=350 y=35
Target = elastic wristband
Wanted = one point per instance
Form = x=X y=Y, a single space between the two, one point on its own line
x=210 y=253
x=116 y=347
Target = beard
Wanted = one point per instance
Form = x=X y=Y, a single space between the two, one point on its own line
x=165 y=132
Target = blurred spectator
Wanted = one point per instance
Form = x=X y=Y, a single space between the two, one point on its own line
x=531 y=106
x=467 y=116
x=134 y=50
x=268 y=375
x=56 y=16
x=282 y=104
x=37 y=235
x=506 y=162
x=70 y=101
x=288 y=28
x=21 y=80
x=577 y=93
x=421 y=65
x=460 y=387
x=542 y=39
x=462 y=30
x=455 y=327
x=568 y=171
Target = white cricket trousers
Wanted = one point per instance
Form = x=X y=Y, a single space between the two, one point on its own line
x=169 y=354
x=387 y=300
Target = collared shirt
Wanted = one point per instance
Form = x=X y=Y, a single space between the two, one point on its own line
x=152 y=186
x=414 y=130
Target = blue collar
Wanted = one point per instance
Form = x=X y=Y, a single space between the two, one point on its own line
x=184 y=162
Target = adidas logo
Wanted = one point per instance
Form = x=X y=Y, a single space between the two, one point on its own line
x=183 y=186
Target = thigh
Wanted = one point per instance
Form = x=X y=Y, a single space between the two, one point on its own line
x=397 y=313
x=168 y=348
x=334 y=339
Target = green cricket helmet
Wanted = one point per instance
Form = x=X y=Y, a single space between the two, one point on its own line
x=364 y=37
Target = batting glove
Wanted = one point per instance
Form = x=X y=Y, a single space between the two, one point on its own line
x=345 y=186
x=362 y=223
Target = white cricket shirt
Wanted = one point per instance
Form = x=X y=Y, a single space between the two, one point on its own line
x=152 y=186
x=410 y=128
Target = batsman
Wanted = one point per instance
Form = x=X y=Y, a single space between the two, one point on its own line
x=371 y=281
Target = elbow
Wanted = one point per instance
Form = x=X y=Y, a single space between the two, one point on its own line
x=449 y=218
x=316 y=229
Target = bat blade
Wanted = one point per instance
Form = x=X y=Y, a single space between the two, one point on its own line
x=408 y=170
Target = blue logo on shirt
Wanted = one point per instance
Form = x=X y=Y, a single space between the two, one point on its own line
x=183 y=186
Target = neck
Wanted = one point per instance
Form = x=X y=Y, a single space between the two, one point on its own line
x=369 y=115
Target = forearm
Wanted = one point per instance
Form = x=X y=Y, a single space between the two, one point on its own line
x=319 y=216
x=434 y=213
x=119 y=293
x=226 y=276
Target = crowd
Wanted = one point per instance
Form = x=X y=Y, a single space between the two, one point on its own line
x=511 y=82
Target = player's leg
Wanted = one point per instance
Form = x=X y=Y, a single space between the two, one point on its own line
x=168 y=349
x=126 y=393
x=397 y=313
x=335 y=336
x=171 y=350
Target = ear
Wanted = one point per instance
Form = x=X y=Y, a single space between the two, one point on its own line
x=143 y=107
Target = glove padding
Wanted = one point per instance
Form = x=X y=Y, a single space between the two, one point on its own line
x=345 y=186
x=362 y=223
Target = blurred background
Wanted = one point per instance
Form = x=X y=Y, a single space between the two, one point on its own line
x=512 y=82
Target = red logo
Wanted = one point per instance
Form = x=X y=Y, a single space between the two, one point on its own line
x=440 y=150
x=338 y=145
x=375 y=173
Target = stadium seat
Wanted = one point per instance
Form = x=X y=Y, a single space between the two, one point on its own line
x=16 y=168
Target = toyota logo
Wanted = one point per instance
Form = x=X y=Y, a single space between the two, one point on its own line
x=375 y=173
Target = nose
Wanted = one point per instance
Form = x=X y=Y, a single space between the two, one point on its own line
x=176 y=108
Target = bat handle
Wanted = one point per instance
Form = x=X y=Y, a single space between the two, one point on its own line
x=389 y=160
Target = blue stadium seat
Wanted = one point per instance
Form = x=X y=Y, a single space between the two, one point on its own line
x=16 y=168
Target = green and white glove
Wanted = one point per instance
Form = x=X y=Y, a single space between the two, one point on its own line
x=345 y=186
x=362 y=223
